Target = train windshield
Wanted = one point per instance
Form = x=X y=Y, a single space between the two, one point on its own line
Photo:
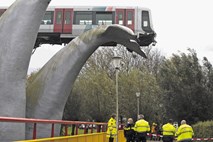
x=146 y=21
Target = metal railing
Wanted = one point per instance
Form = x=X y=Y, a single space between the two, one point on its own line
x=93 y=126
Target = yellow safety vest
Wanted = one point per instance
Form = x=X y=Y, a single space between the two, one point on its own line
x=111 y=130
x=142 y=126
x=168 y=129
x=184 y=132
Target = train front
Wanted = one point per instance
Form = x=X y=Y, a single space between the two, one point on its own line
x=145 y=34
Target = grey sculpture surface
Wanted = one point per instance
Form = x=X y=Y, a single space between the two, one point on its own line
x=19 y=26
x=48 y=92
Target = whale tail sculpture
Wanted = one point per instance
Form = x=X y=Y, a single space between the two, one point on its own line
x=49 y=90
x=19 y=26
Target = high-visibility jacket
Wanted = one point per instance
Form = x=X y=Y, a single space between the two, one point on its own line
x=142 y=126
x=168 y=129
x=111 y=130
x=184 y=132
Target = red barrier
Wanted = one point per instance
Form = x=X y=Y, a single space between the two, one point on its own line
x=194 y=139
x=202 y=139
x=155 y=135
x=52 y=122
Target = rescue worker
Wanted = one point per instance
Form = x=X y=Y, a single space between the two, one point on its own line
x=141 y=128
x=168 y=131
x=184 y=132
x=129 y=131
x=111 y=130
x=159 y=131
x=154 y=131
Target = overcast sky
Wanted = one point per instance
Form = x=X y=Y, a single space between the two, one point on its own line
x=179 y=24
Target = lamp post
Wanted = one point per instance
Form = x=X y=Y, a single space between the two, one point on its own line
x=138 y=96
x=116 y=60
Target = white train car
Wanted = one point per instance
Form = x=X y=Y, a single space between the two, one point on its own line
x=62 y=24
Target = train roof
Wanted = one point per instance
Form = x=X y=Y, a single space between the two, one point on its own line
x=92 y=8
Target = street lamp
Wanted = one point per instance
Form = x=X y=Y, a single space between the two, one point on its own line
x=116 y=60
x=138 y=96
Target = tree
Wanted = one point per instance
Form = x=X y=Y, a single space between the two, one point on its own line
x=96 y=83
x=184 y=96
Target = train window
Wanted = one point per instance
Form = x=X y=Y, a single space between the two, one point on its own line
x=145 y=21
x=129 y=17
x=67 y=19
x=48 y=18
x=104 y=18
x=59 y=17
x=120 y=18
x=83 y=18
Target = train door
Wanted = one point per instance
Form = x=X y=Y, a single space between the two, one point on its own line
x=63 y=20
x=126 y=17
x=130 y=19
x=120 y=17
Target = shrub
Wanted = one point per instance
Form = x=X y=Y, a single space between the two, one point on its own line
x=203 y=129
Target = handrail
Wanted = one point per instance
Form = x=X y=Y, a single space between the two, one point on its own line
x=32 y=120
x=53 y=122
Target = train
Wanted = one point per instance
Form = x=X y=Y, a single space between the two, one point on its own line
x=62 y=24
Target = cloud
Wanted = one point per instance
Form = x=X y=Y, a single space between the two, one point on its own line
x=43 y=54
x=209 y=48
